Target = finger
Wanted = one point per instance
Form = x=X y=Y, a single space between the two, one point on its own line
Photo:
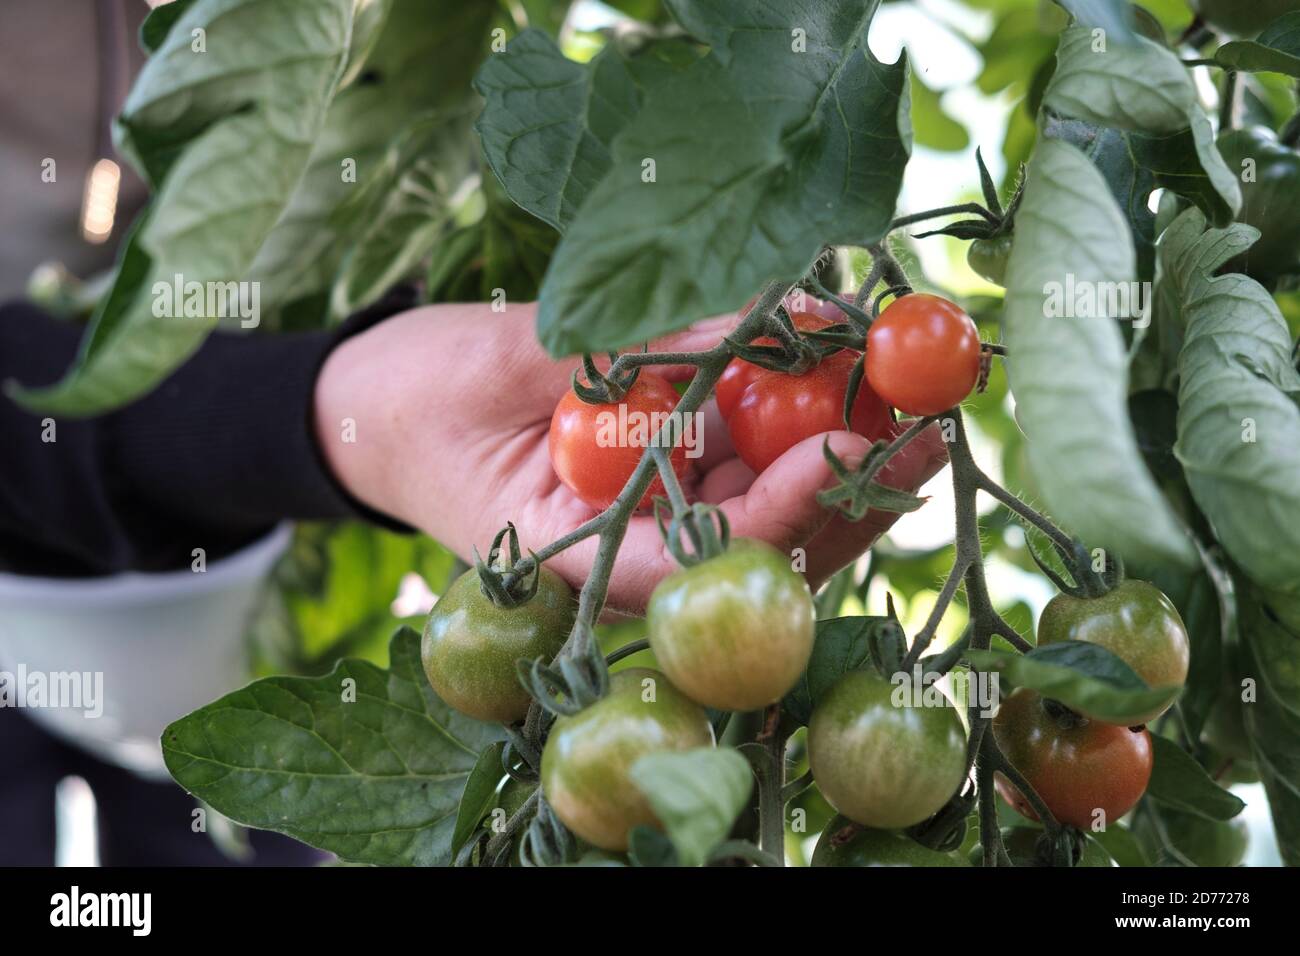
x=781 y=506
x=843 y=541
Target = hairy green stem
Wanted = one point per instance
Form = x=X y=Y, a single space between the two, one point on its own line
x=971 y=207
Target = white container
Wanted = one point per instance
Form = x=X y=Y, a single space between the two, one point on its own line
x=165 y=644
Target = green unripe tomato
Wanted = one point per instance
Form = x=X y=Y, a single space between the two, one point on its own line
x=734 y=632
x=470 y=645
x=879 y=764
x=1270 y=202
x=1243 y=18
x=1136 y=623
x=876 y=848
x=588 y=758
x=988 y=258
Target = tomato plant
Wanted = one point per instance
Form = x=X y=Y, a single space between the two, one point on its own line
x=588 y=757
x=923 y=354
x=777 y=410
x=1132 y=407
x=1085 y=771
x=1135 y=622
x=884 y=765
x=733 y=632
x=470 y=645
x=596 y=447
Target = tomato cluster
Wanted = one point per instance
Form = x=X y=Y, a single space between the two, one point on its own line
x=1087 y=772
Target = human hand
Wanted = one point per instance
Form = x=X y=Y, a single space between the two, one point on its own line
x=452 y=408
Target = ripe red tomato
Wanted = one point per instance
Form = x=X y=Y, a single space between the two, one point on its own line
x=777 y=411
x=923 y=354
x=594 y=454
x=739 y=374
x=1078 y=766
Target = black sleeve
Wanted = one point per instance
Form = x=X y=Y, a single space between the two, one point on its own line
x=212 y=458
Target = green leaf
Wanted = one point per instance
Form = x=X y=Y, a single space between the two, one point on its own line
x=1083 y=677
x=375 y=780
x=1177 y=780
x=696 y=794
x=1238 y=421
x=842 y=644
x=1069 y=374
x=478 y=796
x=548 y=122
x=1273 y=719
x=772 y=145
x=1141 y=87
x=1275 y=50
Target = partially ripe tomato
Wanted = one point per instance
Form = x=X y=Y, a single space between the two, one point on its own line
x=923 y=354
x=588 y=758
x=869 y=847
x=777 y=410
x=733 y=632
x=879 y=764
x=595 y=448
x=738 y=374
x=470 y=645
x=1135 y=622
x=1084 y=770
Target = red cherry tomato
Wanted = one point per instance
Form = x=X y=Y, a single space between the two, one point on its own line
x=923 y=354
x=777 y=410
x=739 y=374
x=595 y=448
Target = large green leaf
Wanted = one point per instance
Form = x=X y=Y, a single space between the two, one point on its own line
x=1084 y=677
x=1069 y=374
x=736 y=170
x=548 y=122
x=1238 y=421
x=1180 y=782
x=696 y=794
x=375 y=779
x=1141 y=86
